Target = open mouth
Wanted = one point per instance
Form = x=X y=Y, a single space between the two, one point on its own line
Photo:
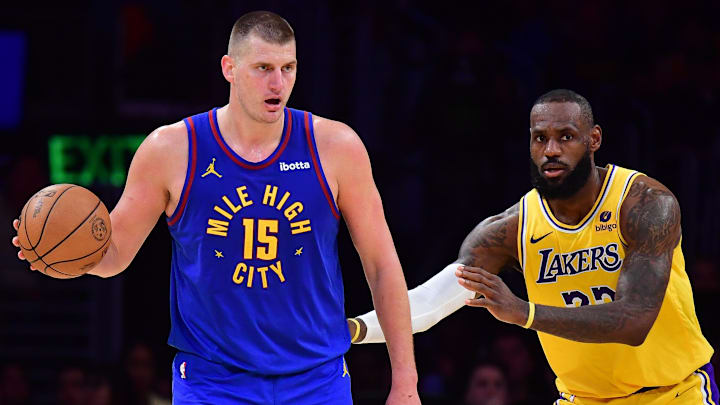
x=553 y=170
x=272 y=101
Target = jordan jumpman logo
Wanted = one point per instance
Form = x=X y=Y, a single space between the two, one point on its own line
x=211 y=169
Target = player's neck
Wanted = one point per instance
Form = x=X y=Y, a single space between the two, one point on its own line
x=252 y=139
x=572 y=210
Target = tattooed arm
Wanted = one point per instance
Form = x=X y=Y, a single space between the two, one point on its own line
x=650 y=223
x=492 y=245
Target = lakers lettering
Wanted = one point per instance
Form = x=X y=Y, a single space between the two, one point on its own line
x=260 y=240
x=553 y=265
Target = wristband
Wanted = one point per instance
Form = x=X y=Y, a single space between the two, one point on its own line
x=531 y=315
x=357 y=329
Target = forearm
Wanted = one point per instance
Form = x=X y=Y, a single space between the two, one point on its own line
x=390 y=300
x=614 y=322
x=626 y=320
x=430 y=302
x=128 y=235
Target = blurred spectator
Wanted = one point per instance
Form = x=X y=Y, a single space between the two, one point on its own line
x=14 y=386
x=101 y=393
x=487 y=386
x=72 y=388
x=139 y=385
x=100 y=388
x=436 y=381
x=524 y=375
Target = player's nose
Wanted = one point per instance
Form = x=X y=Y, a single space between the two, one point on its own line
x=276 y=81
x=552 y=148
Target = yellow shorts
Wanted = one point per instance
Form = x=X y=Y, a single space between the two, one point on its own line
x=698 y=388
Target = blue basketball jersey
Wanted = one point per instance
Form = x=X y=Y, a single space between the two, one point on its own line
x=255 y=279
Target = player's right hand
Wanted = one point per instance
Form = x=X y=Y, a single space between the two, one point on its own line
x=492 y=294
x=16 y=243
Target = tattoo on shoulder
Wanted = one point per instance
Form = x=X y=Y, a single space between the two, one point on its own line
x=492 y=236
x=495 y=233
x=653 y=218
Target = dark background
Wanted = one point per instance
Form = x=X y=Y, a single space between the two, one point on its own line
x=440 y=94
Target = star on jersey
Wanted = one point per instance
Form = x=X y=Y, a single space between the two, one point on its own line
x=298 y=252
x=211 y=170
x=218 y=254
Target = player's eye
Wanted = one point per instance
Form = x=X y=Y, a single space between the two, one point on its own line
x=539 y=138
x=288 y=68
x=567 y=137
x=262 y=68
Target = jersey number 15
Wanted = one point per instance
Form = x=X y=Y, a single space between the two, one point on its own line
x=267 y=241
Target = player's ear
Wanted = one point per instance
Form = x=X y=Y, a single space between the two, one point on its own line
x=595 y=138
x=227 y=65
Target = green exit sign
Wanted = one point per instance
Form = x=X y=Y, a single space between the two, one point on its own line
x=85 y=160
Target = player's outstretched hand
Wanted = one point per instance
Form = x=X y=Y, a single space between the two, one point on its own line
x=16 y=243
x=493 y=294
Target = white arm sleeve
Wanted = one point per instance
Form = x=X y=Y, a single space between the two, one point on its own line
x=429 y=303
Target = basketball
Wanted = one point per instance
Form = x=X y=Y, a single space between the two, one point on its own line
x=64 y=230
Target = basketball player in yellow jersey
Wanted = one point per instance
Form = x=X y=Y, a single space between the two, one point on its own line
x=600 y=251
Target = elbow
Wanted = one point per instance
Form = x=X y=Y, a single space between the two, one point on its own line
x=101 y=274
x=639 y=332
x=636 y=340
x=635 y=321
x=106 y=270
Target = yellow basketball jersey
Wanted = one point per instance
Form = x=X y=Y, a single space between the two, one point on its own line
x=573 y=265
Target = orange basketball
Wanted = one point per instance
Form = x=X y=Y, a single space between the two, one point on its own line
x=64 y=230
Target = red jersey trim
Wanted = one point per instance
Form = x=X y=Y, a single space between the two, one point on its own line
x=193 y=162
x=248 y=165
x=316 y=165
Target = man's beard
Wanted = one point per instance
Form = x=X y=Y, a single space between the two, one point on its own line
x=573 y=182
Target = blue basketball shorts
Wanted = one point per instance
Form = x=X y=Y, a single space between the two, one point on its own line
x=198 y=381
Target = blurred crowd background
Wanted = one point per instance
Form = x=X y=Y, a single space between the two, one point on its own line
x=439 y=92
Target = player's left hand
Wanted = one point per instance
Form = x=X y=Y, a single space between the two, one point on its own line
x=492 y=294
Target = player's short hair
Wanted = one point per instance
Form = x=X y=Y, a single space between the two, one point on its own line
x=568 y=96
x=269 y=26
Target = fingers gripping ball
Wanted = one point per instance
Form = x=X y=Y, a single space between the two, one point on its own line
x=64 y=230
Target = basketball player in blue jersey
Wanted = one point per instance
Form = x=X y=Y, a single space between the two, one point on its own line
x=253 y=192
x=600 y=250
